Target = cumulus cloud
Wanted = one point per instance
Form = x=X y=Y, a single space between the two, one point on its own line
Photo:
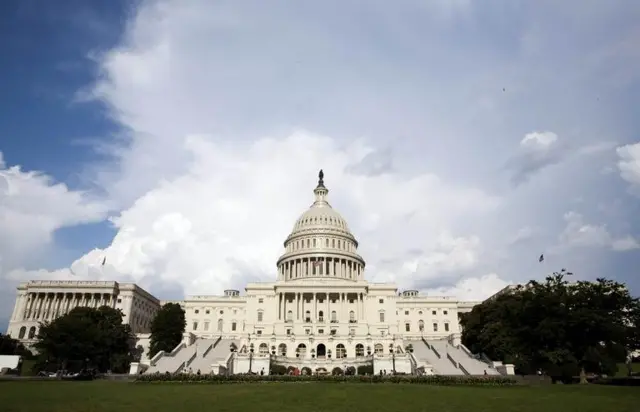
x=33 y=206
x=229 y=109
x=629 y=165
x=537 y=151
x=227 y=216
x=579 y=233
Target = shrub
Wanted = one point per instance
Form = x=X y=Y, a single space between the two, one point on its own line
x=365 y=370
x=337 y=371
x=278 y=370
x=620 y=381
x=411 y=379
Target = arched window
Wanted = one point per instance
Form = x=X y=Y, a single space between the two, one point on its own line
x=321 y=316
x=32 y=332
x=260 y=314
x=307 y=316
x=382 y=316
x=378 y=349
x=326 y=243
x=352 y=316
x=263 y=349
x=23 y=330
x=301 y=350
x=290 y=316
x=341 y=352
x=220 y=324
x=421 y=325
x=334 y=316
x=282 y=349
x=359 y=350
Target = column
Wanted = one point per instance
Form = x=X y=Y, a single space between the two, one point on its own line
x=284 y=306
x=327 y=313
x=297 y=306
x=279 y=306
x=40 y=306
x=314 y=317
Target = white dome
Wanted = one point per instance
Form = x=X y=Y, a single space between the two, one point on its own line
x=320 y=244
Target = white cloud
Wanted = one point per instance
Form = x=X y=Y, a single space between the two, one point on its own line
x=537 y=151
x=33 y=207
x=629 y=165
x=229 y=109
x=224 y=220
x=472 y=289
x=578 y=233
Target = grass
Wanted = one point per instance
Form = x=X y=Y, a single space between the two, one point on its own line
x=103 y=396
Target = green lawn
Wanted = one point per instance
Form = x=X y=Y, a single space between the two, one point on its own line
x=102 y=396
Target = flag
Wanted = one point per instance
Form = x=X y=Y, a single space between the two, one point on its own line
x=541 y=259
x=104 y=261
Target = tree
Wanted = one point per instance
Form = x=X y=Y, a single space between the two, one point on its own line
x=87 y=337
x=562 y=328
x=10 y=346
x=167 y=328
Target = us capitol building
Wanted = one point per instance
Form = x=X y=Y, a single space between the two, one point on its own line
x=320 y=314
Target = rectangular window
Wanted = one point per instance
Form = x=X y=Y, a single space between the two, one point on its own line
x=380 y=300
x=258 y=332
x=307 y=331
x=233 y=326
x=446 y=327
x=333 y=331
x=445 y=312
x=196 y=311
x=406 y=312
x=259 y=316
x=433 y=312
x=407 y=327
x=195 y=325
x=435 y=327
x=261 y=300
x=320 y=331
x=381 y=317
x=288 y=332
x=206 y=326
x=206 y=311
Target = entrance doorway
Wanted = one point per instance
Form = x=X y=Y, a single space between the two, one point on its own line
x=321 y=351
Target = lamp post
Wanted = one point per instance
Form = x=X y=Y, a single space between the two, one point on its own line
x=393 y=358
x=250 y=357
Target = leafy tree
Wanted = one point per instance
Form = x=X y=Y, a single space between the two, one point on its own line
x=167 y=328
x=87 y=337
x=562 y=328
x=10 y=346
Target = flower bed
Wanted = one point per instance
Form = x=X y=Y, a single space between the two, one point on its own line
x=425 y=380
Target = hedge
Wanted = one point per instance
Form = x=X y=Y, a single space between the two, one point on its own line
x=425 y=380
x=618 y=381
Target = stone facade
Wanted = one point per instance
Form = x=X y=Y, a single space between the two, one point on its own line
x=319 y=311
x=44 y=300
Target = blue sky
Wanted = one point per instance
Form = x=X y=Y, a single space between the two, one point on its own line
x=181 y=140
